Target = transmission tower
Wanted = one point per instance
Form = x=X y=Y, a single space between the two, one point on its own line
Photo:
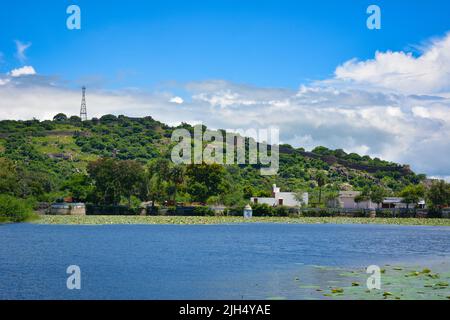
x=83 y=111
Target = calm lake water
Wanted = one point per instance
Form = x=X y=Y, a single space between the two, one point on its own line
x=250 y=261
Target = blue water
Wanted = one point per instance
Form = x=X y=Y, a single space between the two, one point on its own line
x=250 y=261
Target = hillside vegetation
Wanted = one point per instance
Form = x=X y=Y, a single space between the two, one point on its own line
x=47 y=160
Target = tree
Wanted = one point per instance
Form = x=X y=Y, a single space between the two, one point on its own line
x=8 y=177
x=108 y=118
x=412 y=194
x=104 y=173
x=364 y=195
x=131 y=179
x=377 y=195
x=115 y=178
x=176 y=177
x=158 y=175
x=75 y=120
x=205 y=181
x=60 y=117
x=198 y=191
x=321 y=180
x=79 y=186
x=439 y=194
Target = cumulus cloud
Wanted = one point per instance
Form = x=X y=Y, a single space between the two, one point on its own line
x=428 y=73
x=177 y=100
x=395 y=106
x=24 y=71
x=21 y=49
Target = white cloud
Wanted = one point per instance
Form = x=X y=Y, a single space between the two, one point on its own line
x=403 y=72
x=177 y=100
x=369 y=107
x=3 y=81
x=24 y=71
x=21 y=49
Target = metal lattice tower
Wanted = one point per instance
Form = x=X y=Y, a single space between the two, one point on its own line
x=83 y=111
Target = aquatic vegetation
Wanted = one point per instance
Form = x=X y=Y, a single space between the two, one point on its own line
x=337 y=290
x=441 y=285
x=413 y=274
x=398 y=283
x=108 y=220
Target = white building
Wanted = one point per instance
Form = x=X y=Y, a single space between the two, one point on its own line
x=346 y=200
x=279 y=198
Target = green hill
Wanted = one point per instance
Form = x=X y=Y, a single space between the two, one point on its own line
x=47 y=155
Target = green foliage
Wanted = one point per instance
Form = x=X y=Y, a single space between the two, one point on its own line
x=158 y=176
x=114 y=179
x=377 y=194
x=280 y=211
x=14 y=210
x=203 y=211
x=27 y=170
x=80 y=187
x=439 y=194
x=204 y=181
x=412 y=194
x=262 y=210
x=60 y=117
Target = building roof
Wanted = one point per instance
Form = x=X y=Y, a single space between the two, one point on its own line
x=393 y=200
x=349 y=194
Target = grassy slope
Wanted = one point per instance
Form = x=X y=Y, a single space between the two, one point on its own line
x=145 y=139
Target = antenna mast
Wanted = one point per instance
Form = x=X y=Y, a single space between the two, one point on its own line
x=83 y=111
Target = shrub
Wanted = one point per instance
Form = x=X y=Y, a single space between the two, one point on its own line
x=14 y=210
x=280 y=211
x=203 y=211
x=262 y=210
x=236 y=211
x=111 y=210
x=172 y=210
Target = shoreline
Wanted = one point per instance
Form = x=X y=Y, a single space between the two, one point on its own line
x=197 y=220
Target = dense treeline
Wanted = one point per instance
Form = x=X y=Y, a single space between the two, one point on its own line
x=121 y=160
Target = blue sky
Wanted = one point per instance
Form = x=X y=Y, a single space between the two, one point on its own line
x=311 y=68
x=264 y=43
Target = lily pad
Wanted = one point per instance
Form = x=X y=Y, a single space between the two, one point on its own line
x=337 y=290
x=441 y=285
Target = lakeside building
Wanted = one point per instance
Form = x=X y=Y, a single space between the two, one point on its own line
x=68 y=209
x=346 y=200
x=288 y=199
